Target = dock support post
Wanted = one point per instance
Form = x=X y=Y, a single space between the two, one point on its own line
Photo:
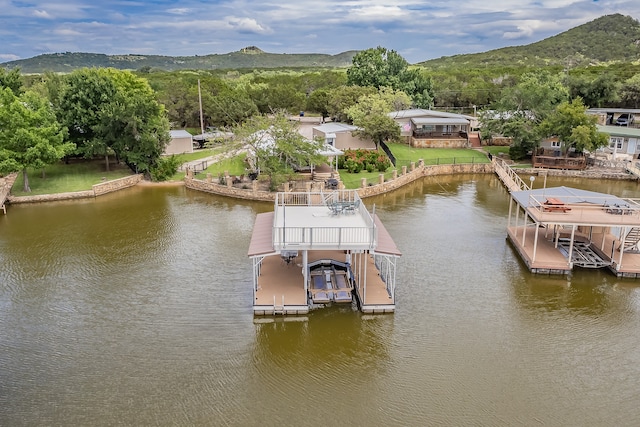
x=623 y=239
x=535 y=243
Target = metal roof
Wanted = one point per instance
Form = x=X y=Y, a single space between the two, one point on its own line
x=335 y=127
x=567 y=194
x=439 y=121
x=386 y=245
x=261 y=238
x=619 y=131
x=420 y=112
x=179 y=133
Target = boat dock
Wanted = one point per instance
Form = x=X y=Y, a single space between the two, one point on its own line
x=556 y=229
x=317 y=249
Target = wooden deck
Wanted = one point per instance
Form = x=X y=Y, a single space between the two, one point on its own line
x=376 y=299
x=282 y=284
x=551 y=260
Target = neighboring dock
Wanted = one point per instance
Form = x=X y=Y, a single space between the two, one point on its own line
x=320 y=248
x=556 y=229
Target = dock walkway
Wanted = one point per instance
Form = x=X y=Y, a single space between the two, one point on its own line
x=6 y=183
x=509 y=178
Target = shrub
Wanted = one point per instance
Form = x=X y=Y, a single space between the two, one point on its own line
x=165 y=168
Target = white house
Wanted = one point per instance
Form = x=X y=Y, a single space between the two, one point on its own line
x=624 y=142
x=340 y=136
x=437 y=129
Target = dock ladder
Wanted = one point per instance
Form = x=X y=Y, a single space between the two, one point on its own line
x=278 y=309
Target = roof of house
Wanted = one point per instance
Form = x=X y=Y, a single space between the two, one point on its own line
x=439 y=121
x=179 y=133
x=420 y=112
x=263 y=139
x=614 y=110
x=335 y=127
x=619 y=131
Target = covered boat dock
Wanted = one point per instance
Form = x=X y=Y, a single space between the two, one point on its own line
x=556 y=229
x=319 y=248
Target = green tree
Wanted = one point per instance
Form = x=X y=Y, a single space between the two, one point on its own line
x=380 y=67
x=520 y=110
x=370 y=114
x=343 y=97
x=30 y=136
x=318 y=101
x=276 y=147
x=111 y=111
x=631 y=91
x=12 y=80
x=574 y=127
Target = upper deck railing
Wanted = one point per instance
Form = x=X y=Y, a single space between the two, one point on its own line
x=317 y=235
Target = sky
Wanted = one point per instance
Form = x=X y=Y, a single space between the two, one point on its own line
x=417 y=30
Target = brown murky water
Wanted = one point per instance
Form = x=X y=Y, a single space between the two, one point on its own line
x=135 y=309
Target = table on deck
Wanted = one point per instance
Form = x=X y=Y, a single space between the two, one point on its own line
x=555 y=205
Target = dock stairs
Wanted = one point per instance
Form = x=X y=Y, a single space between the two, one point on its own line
x=631 y=240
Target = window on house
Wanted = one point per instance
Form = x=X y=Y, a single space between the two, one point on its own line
x=555 y=144
x=615 y=142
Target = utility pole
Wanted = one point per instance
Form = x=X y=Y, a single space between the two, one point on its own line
x=200 y=102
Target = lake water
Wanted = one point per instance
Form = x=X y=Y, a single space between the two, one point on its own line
x=135 y=309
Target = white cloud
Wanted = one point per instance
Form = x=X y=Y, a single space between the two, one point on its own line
x=8 y=57
x=42 y=14
x=179 y=11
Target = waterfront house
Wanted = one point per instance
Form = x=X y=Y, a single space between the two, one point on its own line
x=341 y=136
x=624 y=142
x=433 y=129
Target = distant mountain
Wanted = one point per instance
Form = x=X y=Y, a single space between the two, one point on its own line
x=607 y=39
x=249 y=57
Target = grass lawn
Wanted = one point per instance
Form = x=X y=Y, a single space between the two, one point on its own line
x=234 y=165
x=353 y=180
x=199 y=154
x=406 y=154
x=62 y=178
x=496 y=149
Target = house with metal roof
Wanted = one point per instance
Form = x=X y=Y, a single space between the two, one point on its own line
x=433 y=129
x=341 y=136
x=624 y=142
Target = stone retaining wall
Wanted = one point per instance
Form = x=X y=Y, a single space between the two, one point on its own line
x=366 y=190
x=97 y=190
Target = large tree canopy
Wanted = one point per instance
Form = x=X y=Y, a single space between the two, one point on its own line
x=30 y=136
x=574 y=127
x=107 y=110
x=276 y=147
x=380 y=67
x=370 y=114
x=521 y=108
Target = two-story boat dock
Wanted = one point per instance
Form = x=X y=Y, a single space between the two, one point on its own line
x=320 y=248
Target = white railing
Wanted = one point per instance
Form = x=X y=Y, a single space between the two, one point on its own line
x=510 y=179
x=318 y=237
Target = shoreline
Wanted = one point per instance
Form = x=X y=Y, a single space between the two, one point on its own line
x=591 y=173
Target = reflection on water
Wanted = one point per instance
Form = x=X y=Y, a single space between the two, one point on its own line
x=135 y=308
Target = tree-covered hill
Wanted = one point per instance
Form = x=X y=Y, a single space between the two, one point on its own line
x=606 y=39
x=250 y=57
